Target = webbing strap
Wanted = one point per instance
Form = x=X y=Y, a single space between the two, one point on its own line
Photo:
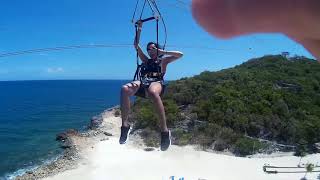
x=137 y=73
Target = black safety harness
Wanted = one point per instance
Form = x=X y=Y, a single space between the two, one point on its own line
x=151 y=70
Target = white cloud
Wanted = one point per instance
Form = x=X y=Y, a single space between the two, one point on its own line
x=43 y=54
x=55 y=70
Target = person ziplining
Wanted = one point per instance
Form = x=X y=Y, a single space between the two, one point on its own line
x=148 y=81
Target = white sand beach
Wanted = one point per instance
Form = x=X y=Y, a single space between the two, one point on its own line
x=107 y=160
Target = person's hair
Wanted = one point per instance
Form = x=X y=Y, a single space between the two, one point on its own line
x=156 y=44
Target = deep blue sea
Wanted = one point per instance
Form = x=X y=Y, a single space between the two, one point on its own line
x=33 y=112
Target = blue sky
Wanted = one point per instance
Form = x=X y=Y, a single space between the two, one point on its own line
x=42 y=24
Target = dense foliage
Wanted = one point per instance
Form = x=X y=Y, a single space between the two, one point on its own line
x=272 y=97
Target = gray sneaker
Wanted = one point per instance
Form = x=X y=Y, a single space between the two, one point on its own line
x=124 y=134
x=165 y=140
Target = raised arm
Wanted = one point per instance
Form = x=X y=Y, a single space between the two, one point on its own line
x=142 y=56
x=170 y=56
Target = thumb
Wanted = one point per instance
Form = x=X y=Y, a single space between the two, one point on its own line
x=227 y=18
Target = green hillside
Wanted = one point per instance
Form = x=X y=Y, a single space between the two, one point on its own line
x=271 y=98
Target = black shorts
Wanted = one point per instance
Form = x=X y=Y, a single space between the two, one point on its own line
x=142 y=89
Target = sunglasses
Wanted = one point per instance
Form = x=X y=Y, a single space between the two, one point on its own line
x=151 y=49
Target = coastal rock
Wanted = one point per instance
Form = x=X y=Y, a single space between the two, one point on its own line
x=68 y=160
x=95 y=122
x=67 y=143
x=65 y=162
x=107 y=134
x=96 y=133
x=112 y=109
x=61 y=137
x=104 y=139
x=117 y=113
x=64 y=135
x=149 y=149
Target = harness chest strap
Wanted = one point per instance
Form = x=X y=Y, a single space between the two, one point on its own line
x=155 y=74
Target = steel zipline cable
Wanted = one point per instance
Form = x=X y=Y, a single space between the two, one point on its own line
x=94 y=46
x=156 y=15
x=163 y=22
x=61 y=48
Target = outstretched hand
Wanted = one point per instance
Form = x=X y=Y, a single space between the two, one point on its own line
x=298 y=19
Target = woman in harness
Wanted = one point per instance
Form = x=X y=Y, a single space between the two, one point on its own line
x=149 y=85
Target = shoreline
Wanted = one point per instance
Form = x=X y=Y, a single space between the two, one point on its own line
x=72 y=148
x=86 y=150
x=25 y=170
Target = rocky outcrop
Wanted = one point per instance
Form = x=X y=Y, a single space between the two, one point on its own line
x=288 y=86
x=104 y=139
x=149 y=149
x=64 y=135
x=65 y=138
x=69 y=141
x=95 y=122
x=190 y=120
x=107 y=134
x=65 y=162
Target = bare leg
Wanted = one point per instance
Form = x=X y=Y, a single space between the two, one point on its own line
x=154 y=92
x=126 y=91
